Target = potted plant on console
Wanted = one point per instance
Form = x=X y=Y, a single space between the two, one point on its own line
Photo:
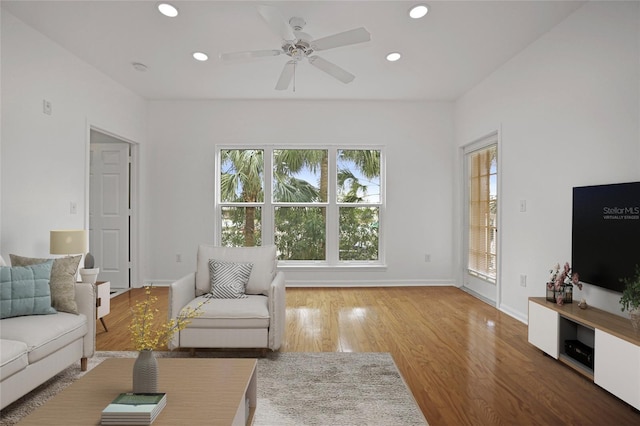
x=630 y=299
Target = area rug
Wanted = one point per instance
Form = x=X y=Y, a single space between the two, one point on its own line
x=302 y=389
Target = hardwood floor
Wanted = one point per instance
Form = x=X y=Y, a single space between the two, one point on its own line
x=465 y=362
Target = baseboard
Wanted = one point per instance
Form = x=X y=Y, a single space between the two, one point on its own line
x=342 y=283
x=370 y=283
x=514 y=314
x=502 y=308
x=158 y=283
x=479 y=296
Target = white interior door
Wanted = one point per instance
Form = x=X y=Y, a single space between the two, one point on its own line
x=109 y=211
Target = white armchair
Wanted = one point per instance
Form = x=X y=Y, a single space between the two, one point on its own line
x=257 y=321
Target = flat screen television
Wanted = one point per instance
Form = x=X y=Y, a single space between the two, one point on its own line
x=605 y=242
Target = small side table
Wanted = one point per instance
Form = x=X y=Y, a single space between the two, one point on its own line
x=103 y=301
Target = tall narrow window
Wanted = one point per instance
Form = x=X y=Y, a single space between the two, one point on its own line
x=241 y=194
x=358 y=196
x=299 y=200
x=483 y=199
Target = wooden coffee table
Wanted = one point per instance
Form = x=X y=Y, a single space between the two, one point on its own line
x=199 y=391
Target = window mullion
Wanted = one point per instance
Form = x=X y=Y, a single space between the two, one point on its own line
x=268 y=223
x=332 y=210
x=217 y=208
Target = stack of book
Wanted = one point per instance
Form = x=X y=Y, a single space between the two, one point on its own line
x=134 y=409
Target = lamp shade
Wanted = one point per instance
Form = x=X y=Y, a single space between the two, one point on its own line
x=69 y=241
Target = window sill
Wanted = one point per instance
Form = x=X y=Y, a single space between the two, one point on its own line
x=359 y=267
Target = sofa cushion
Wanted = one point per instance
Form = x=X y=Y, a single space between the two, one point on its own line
x=63 y=280
x=13 y=357
x=24 y=290
x=251 y=312
x=229 y=279
x=262 y=274
x=44 y=339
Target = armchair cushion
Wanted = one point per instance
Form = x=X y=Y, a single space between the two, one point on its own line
x=252 y=312
x=228 y=279
x=262 y=273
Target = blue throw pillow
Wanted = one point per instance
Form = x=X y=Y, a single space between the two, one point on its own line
x=24 y=290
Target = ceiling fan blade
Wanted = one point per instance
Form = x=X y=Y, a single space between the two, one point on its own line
x=358 y=35
x=286 y=76
x=249 y=54
x=276 y=22
x=331 y=69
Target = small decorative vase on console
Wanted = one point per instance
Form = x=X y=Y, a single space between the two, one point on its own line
x=145 y=372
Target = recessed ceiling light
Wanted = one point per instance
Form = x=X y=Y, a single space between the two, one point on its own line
x=199 y=56
x=419 y=11
x=393 y=56
x=139 y=66
x=168 y=10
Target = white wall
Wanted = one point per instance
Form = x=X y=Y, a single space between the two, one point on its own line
x=569 y=112
x=44 y=157
x=418 y=137
x=567 y=106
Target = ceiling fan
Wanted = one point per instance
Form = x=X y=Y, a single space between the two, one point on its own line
x=298 y=45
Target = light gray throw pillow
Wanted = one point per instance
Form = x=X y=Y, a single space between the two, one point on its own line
x=229 y=279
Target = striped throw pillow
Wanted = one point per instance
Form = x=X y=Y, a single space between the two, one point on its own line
x=229 y=279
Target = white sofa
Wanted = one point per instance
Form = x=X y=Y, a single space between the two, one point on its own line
x=35 y=348
x=256 y=321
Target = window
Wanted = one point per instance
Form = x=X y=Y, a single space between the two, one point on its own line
x=358 y=198
x=482 y=220
x=320 y=205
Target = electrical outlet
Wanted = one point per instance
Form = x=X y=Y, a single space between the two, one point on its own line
x=73 y=207
x=178 y=258
x=523 y=206
x=46 y=107
x=523 y=280
x=427 y=257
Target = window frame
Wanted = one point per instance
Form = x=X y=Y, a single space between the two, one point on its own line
x=332 y=229
x=486 y=143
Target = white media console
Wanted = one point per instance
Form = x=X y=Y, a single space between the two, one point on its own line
x=616 y=346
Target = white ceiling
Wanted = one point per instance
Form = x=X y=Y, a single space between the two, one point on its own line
x=457 y=45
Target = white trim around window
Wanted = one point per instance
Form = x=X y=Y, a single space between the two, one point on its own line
x=268 y=206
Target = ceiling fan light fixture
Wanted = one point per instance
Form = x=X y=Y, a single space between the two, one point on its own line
x=200 y=56
x=393 y=56
x=418 y=11
x=168 y=10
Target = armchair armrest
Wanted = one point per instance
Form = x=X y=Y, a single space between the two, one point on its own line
x=181 y=292
x=277 y=311
x=86 y=300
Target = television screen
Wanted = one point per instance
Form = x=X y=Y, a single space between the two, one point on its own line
x=606 y=233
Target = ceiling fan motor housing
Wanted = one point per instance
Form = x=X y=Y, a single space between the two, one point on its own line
x=298 y=50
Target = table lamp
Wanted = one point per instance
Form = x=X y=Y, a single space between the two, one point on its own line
x=68 y=241
x=72 y=241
